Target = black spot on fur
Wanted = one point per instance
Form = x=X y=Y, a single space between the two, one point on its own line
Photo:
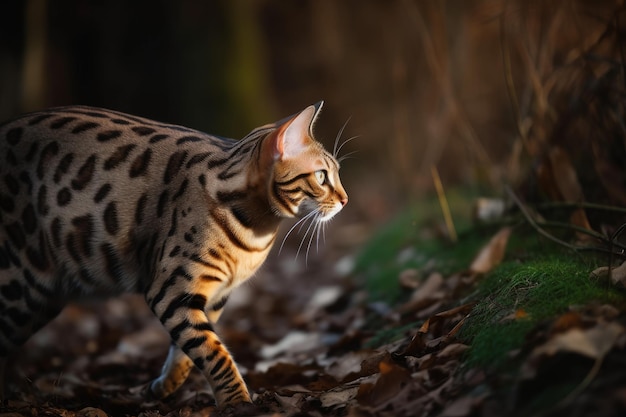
x=186 y=139
x=32 y=152
x=16 y=235
x=12 y=184
x=140 y=164
x=113 y=262
x=196 y=159
x=158 y=138
x=85 y=173
x=163 y=198
x=174 y=164
x=143 y=130
x=7 y=203
x=64 y=196
x=119 y=156
x=85 y=126
x=60 y=122
x=121 y=121
x=102 y=193
x=47 y=154
x=141 y=207
x=12 y=291
x=42 y=200
x=63 y=167
x=29 y=219
x=14 y=135
x=181 y=189
x=111 y=223
x=38 y=119
x=84 y=227
x=108 y=135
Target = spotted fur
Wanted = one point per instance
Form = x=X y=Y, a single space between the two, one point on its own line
x=96 y=203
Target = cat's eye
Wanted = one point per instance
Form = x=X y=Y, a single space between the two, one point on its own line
x=320 y=176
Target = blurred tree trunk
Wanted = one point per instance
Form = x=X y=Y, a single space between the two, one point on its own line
x=246 y=69
x=34 y=76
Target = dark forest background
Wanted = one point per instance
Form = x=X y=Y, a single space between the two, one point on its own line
x=475 y=88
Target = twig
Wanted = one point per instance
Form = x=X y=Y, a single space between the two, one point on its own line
x=539 y=228
x=589 y=232
x=534 y=224
x=443 y=202
x=582 y=204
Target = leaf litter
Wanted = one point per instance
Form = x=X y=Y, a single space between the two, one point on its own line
x=308 y=352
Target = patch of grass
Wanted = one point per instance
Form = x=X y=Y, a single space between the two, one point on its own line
x=409 y=241
x=538 y=289
x=537 y=278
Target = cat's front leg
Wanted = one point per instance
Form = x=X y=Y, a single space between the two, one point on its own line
x=178 y=365
x=175 y=371
x=185 y=316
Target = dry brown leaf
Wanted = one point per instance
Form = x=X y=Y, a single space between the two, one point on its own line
x=452 y=350
x=593 y=343
x=519 y=314
x=392 y=378
x=338 y=396
x=618 y=274
x=492 y=253
x=348 y=364
x=461 y=407
x=567 y=321
x=410 y=278
x=425 y=294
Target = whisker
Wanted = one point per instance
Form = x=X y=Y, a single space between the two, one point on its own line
x=347 y=156
x=306 y=233
x=299 y=222
x=335 y=150
x=345 y=142
x=308 y=248
x=320 y=227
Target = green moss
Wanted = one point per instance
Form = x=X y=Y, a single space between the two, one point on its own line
x=537 y=276
x=407 y=242
x=542 y=287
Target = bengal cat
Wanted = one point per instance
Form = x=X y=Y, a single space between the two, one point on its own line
x=95 y=202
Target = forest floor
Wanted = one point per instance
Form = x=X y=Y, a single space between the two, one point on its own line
x=501 y=322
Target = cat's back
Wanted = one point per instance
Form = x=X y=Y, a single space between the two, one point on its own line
x=103 y=138
x=82 y=186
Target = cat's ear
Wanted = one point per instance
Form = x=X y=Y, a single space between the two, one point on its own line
x=294 y=135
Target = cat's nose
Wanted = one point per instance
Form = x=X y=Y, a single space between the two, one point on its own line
x=344 y=201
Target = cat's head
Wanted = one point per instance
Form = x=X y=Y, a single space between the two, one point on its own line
x=304 y=177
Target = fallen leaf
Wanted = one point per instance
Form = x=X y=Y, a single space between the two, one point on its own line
x=593 y=343
x=617 y=274
x=295 y=341
x=567 y=321
x=425 y=294
x=392 y=378
x=338 y=396
x=348 y=364
x=519 y=314
x=290 y=403
x=461 y=407
x=492 y=253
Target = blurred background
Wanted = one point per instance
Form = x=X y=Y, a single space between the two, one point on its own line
x=483 y=90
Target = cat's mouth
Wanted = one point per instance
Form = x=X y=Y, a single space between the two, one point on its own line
x=327 y=215
x=319 y=212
